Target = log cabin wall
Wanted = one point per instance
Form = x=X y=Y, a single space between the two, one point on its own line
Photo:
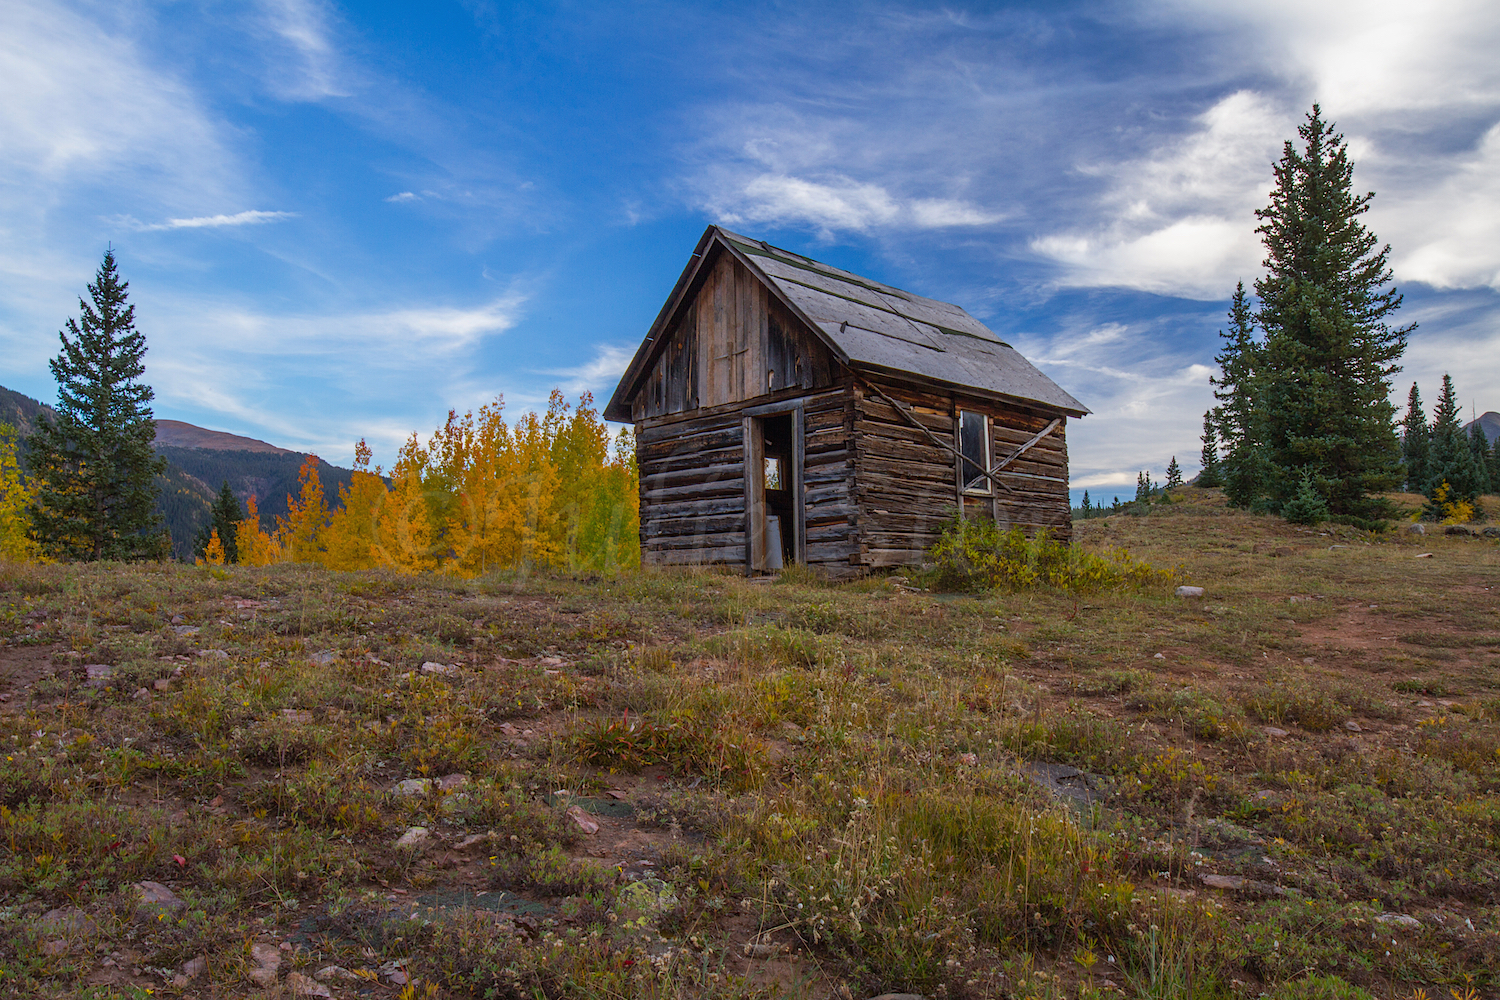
x=907 y=486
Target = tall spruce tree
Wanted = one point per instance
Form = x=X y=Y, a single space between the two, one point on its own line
x=1416 y=442
x=1209 y=456
x=1479 y=450
x=224 y=518
x=1321 y=388
x=1174 y=474
x=1451 y=461
x=1240 y=423
x=92 y=466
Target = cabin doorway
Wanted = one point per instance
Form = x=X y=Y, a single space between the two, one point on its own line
x=774 y=476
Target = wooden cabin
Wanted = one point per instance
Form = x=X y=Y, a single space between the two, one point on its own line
x=786 y=411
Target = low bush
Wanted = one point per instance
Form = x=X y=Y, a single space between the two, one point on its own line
x=977 y=554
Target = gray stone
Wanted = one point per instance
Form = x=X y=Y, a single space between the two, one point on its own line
x=1354 y=727
x=1493 y=531
x=1189 y=593
x=157 y=902
x=302 y=986
x=194 y=967
x=265 y=961
x=185 y=630
x=1458 y=529
x=414 y=837
x=1417 y=528
x=1273 y=731
x=439 y=669
x=323 y=658
x=1400 y=920
x=297 y=716
x=98 y=674
x=213 y=654
x=331 y=972
x=412 y=786
x=583 y=820
x=449 y=782
x=67 y=920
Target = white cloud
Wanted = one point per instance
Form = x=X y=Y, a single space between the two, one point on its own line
x=402 y=196
x=599 y=375
x=250 y=218
x=1447 y=233
x=309 y=67
x=1181 y=222
x=836 y=202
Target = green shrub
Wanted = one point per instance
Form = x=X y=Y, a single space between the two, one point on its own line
x=976 y=554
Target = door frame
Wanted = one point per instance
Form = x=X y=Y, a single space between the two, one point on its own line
x=755 y=507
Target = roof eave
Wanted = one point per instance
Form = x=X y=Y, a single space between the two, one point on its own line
x=903 y=375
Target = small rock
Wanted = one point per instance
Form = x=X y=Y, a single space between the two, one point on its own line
x=331 y=972
x=472 y=841
x=98 y=674
x=212 y=654
x=761 y=949
x=617 y=795
x=1273 y=731
x=1354 y=727
x=1493 y=531
x=412 y=786
x=162 y=684
x=186 y=630
x=194 y=967
x=141 y=694
x=1458 y=529
x=1222 y=881
x=67 y=920
x=396 y=978
x=297 y=716
x=449 y=782
x=323 y=658
x=1308 y=660
x=177 y=619
x=899 y=996
x=302 y=986
x=1416 y=529
x=266 y=962
x=157 y=901
x=583 y=820
x=1423 y=555
x=1424 y=703
x=414 y=836
x=55 y=948
x=1401 y=920
x=1159 y=656
x=1189 y=593
x=440 y=669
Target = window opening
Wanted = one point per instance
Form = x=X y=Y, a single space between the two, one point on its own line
x=773 y=474
x=973 y=444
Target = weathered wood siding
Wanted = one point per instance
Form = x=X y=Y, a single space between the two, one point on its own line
x=907 y=486
x=693 y=483
x=732 y=343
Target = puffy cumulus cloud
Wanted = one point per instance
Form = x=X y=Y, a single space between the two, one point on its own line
x=1181 y=222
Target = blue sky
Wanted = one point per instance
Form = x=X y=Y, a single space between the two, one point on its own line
x=339 y=220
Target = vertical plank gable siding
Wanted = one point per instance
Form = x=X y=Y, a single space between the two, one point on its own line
x=907 y=486
x=735 y=345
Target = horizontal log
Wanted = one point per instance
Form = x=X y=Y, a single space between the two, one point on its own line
x=883 y=558
x=702 y=474
x=717 y=540
x=733 y=555
x=692 y=525
x=700 y=507
x=831 y=551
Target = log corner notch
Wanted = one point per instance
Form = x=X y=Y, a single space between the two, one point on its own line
x=789 y=411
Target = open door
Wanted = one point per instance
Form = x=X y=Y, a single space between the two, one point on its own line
x=773 y=477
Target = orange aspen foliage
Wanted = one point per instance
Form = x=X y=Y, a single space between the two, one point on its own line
x=307 y=515
x=213 y=553
x=405 y=538
x=349 y=538
x=255 y=547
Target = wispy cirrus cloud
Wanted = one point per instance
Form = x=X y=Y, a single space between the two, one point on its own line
x=249 y=218
x=837 y=203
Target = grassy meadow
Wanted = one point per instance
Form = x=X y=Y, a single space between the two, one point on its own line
x=698 y=785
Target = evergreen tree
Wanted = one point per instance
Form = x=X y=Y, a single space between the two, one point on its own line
x=1243 y=469
x=1143 y=487
x=1306 y=505
x=1451 y=461
x=1210 y=476
x=1495 y=466
x=1174 y=473
x=1086 y=508
x=92 y=467
x=1415 y=446
x=224 y=518
x=1479 y=450
x=1322 y=381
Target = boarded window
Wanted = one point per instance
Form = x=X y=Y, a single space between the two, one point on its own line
x=973 y=444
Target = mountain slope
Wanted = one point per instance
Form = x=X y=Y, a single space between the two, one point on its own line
x=1489 y=423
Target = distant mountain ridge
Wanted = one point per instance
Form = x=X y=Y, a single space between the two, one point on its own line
x=199 y=461
x=177 y=434
x=1488 y=422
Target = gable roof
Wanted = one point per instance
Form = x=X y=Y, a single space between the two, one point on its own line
x=867 y=325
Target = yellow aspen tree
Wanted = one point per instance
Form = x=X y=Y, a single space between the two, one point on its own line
x=255 y=547
x=529 y=486
x=307 y=516
x=213 y=552
x=405 y=537
x=349 y=539
x=16 y=544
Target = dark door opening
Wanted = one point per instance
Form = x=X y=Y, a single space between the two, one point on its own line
x=778 y=483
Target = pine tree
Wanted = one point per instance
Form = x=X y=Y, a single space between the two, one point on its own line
x=227 y=514
x=1415 y=443
x=1084 y=510
x=1143 y=487
x=1495 y=466
x=1451 y=461
x=1306 y=505
x=1174 y=473
x=92 y=467
x=1323 y=382
x=1209 y=457
x=1243 y=469
x=1479 y=450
